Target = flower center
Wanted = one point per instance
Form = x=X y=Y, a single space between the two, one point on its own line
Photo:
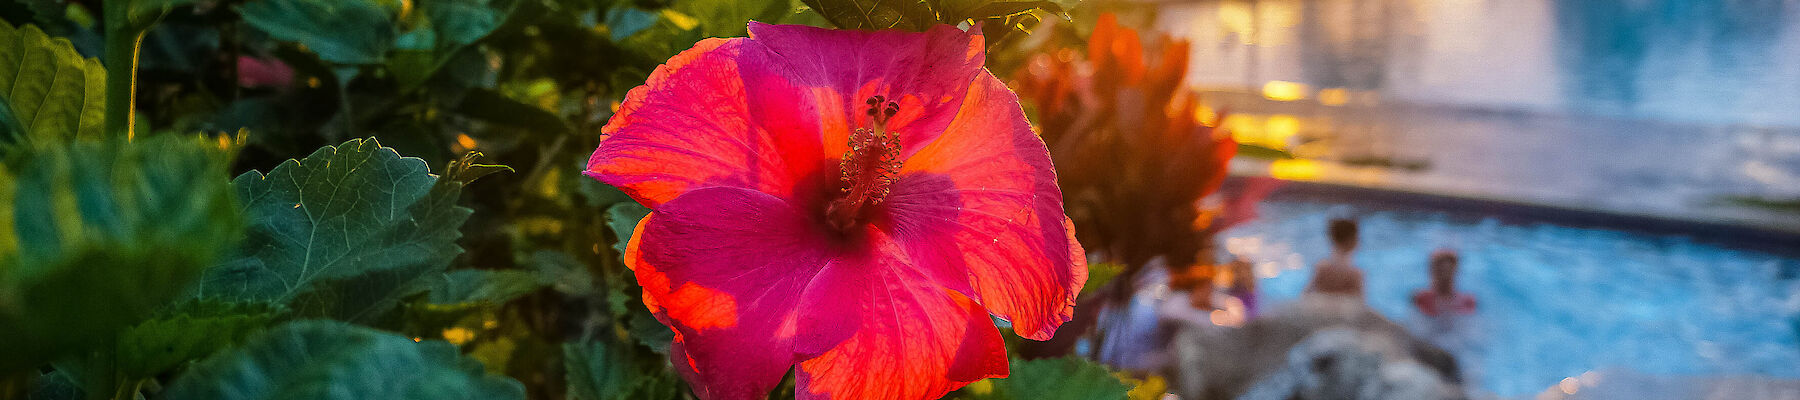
x=867 y=169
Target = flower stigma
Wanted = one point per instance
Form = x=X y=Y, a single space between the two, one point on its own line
x=867 y=170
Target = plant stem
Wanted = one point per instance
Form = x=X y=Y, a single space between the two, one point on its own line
x=128 y=390
x=122 y=41
x=16 y=385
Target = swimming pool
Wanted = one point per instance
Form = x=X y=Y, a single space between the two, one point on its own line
x=1555 y=302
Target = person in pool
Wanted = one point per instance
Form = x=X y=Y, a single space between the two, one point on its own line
x=1242 y=285
x=1337 y=275
x=1442 y=298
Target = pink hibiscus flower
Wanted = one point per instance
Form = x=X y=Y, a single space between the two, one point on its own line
x=851 y=205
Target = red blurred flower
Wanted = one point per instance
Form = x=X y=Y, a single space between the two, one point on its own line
x=256 y=72
x=852 y=203
x=1134 y=159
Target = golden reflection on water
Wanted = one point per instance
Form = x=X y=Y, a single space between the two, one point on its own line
x=1285 y=91
x=1334 y=96
x=1298 y=169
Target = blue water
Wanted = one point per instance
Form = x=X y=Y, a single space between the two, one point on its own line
x=1554 y=302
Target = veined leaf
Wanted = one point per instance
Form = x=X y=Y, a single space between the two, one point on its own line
x=958 y=10
x=452 y=298
x=480 y=286
x=341 y=233
x=919 y=15
x=605 y=371
x=338 y=361
x=95 y=236
x=54 y=93
x=186 y=332
x=647 y=331
x=912 y=15
x=340 y=31
x=562 y=272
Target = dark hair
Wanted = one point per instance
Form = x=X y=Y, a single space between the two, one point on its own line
x=1342 y=231
x=1444 y=256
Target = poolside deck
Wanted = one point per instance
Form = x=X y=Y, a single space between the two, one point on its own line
x=1667 y=176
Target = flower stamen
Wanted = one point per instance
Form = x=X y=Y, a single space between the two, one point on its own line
x=868 y=168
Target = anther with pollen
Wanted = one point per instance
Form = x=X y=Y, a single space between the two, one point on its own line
x=870 y=166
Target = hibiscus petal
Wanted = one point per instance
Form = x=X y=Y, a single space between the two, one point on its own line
x=926 y=73
x=913 y=339
x=980 y=211
x=723 y=113
x=724 y=267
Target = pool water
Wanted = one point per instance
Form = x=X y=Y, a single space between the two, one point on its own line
x=1554 y=302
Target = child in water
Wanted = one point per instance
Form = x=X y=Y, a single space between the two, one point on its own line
x=1242 y=285
x=1337 y=275
x=1442 y=298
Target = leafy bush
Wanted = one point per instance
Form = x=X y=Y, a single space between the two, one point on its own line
x=355 y=254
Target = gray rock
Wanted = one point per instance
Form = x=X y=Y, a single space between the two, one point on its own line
x=1323 y=347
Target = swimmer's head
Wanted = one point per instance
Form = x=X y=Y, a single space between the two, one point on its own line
x=1444 y=263
x=1343 y=234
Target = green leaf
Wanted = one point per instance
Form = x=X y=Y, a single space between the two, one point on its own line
x=648 y=331
x=11 y=131
x=605 y=371
x=1100 y=274
x=95 y=236
x=188 y=332
x=55 y=385
x=562 y=272
x=480 y=286
x=54 y=93
x=623 y=218
x=340 y=31
x=1068 y=378
x=491 y=106
x=912 y=15
x=597 y=194
x=668 y=33
x=469 y=168
x=624 y=21
x=461 y=22
x=728 y=18
x=335 y=360
x=919 y=15
x=43 y=13
x=145 y=11
x=956 y=11
x=441 y=43
x=412 y=67
x=341 y=233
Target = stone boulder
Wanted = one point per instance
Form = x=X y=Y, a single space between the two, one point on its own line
x=1323 y=347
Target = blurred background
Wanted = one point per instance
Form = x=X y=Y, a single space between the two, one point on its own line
x=1620 y=178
